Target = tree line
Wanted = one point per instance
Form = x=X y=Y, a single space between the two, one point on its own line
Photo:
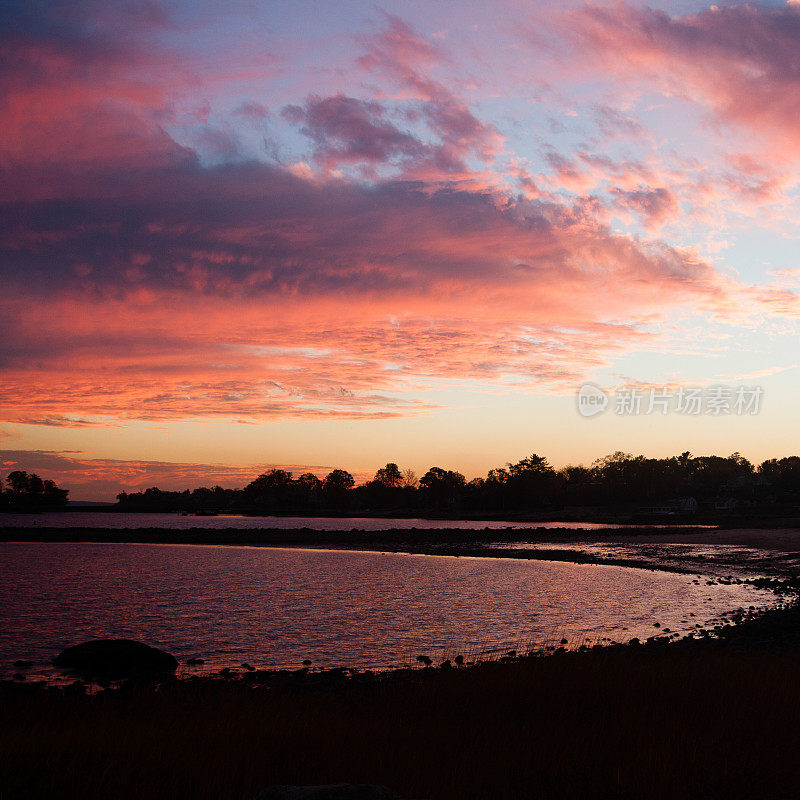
x=22 y=491
x=531 y=485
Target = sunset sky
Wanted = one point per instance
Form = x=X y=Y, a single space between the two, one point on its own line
x=323 y=235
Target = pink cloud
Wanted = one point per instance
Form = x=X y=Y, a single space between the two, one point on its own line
x=247 y=292
x=346 y=130
x=141 y=284
x=655 y=206
x=739 y=61
x=401 y=54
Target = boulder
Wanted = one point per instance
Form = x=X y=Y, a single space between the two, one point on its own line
x=333 y=791
x=115 y=658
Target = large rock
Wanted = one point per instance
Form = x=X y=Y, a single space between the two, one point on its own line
x=115 y=658
x=333 y=791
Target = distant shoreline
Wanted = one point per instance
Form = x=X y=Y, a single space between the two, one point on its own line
x=643 y=548
x=321 y=541
x=613 y=519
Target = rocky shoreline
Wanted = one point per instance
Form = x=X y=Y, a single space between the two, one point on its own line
x=712 y=716
x=709 y=715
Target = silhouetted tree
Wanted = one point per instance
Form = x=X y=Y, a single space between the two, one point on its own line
x=269 y=491
x=442 y=486
x=18 y=481
x=783 y=474
x=621 y=481
x=338 y=481
x=578 y=486
x=306 y=491
x=409 y=478
x=390 y=476
x=29 y=492
x=532 y=481
x=310 y=481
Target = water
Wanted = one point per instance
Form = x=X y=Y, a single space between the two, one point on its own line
x=108 y=519
x=277 y=607
x=717 y=559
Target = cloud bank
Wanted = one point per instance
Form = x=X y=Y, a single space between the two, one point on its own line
x=142 y=280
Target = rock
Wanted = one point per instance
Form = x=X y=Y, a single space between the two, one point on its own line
x=195 y=662
x=115 y=658
x=334 y=791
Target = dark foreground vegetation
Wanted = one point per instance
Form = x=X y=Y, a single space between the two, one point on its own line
x=684 y=486
x=22 y=491
x=715 y=718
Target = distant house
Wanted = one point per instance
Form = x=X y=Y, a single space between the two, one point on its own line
x=687 y=505
x=726 y=504
x=658 y=511
x=680 y=506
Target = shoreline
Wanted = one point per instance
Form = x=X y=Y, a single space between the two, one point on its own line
x=451 y=543
x=619 y=518
x=739 y=627
x=394 y=545
x=718 y=552
x=708 y=715
x=654 y=719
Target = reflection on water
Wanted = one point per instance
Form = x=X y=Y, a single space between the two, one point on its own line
x=277 y=607
x=108 y=519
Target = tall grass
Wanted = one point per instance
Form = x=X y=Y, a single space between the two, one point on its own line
x=709 y=720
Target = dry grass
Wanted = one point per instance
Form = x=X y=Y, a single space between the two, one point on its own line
x=700 y=721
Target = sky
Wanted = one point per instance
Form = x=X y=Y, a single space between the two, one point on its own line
x=317 y=235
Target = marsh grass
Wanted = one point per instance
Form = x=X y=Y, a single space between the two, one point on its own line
x=697 y=719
